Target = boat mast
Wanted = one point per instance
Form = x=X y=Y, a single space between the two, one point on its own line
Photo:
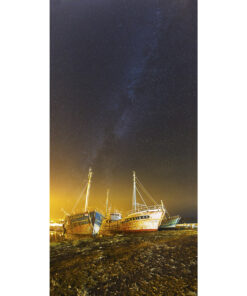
x=88 y=187
x=134 y=192
x=107 y=197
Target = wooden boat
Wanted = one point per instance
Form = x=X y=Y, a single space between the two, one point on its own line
x=169 y=222
x=86 y=222
x=141 y=218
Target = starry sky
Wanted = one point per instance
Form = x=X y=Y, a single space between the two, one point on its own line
x=123 y=81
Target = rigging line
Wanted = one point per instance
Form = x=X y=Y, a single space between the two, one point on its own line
x=145 y=191
x=143 y=188
x=79 y=198
x=140 y=189
x=141 y=197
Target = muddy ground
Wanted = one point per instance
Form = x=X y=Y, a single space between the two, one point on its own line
x=158 y=263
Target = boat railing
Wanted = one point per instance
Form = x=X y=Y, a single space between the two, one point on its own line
x=142 y=208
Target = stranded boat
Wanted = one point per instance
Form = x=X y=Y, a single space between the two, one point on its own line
x=169 y=222
x=140 y=218
x=87 y=222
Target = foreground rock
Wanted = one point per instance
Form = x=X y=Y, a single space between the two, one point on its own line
x=161 y=263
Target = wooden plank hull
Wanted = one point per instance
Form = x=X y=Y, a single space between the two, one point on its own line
x=136 y=222
x=84 y=223
x=170 y=222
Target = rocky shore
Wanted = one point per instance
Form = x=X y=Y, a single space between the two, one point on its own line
x=158 y=263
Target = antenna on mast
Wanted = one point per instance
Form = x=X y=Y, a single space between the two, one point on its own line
x=90 y=174
x=134 y=192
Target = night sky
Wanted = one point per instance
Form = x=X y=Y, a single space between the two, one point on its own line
x=123 y=98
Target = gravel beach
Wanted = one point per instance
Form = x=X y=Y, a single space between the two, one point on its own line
x=157 y=263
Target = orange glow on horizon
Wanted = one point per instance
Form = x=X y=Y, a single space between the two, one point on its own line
x=64 y=197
